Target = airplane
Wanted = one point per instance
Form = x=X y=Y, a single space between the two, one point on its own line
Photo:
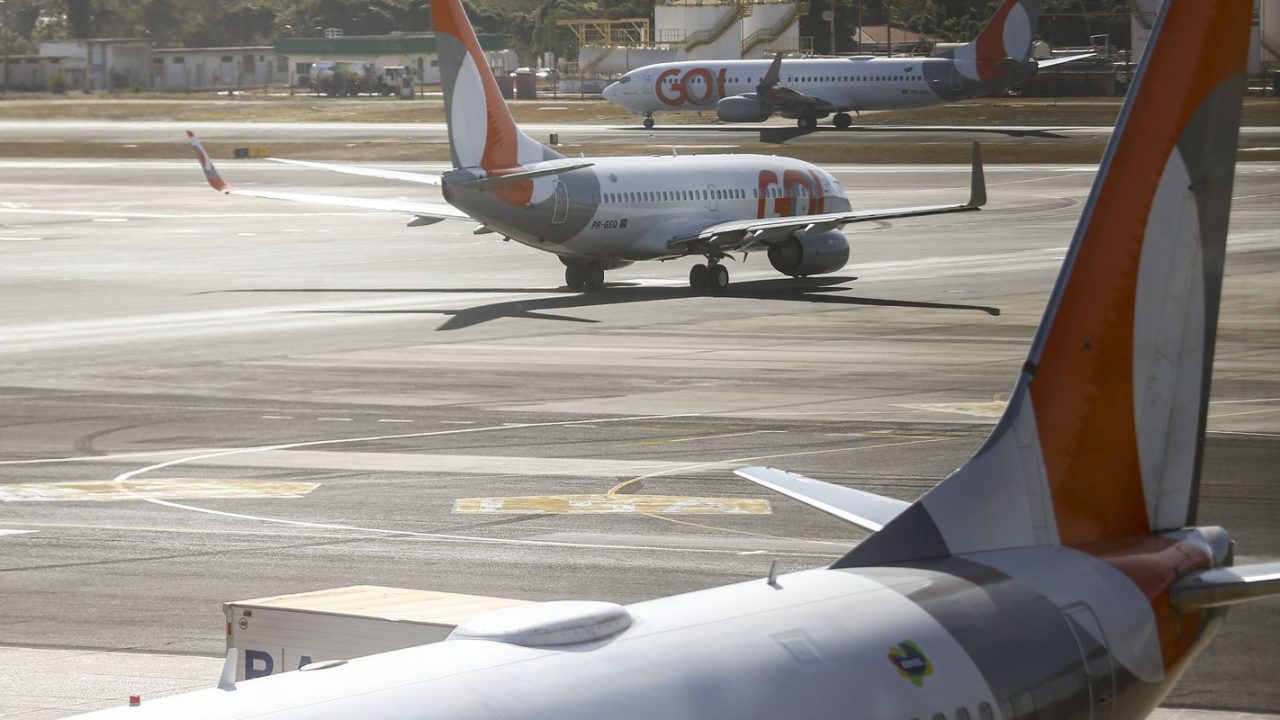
x=599 y=214
x=807 y=89
x=1060 y=573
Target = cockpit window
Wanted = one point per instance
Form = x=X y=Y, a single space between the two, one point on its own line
x=625 y=79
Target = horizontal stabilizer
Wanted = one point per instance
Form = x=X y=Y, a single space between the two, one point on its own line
x=1042 y=64
x=493 y=181
x=1226 y=586
x=866 y=510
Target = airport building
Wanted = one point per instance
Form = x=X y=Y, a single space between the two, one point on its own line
x=695 y=30
x=132 y=63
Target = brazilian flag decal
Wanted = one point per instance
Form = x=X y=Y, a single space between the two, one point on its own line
x=911 y=662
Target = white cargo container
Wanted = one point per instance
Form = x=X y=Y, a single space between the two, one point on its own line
x=275 y=634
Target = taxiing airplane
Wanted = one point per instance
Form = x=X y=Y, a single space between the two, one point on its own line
x=1060 y=573
x=811 y=88
x=599 y=214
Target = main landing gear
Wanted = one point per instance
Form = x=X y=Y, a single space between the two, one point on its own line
x=648 y=120
x=842 y=120
x=711 y=278
x=583 y=275
x=807 y=122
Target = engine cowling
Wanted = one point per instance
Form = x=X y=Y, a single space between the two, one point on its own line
x=814 y=254
x=742 y=108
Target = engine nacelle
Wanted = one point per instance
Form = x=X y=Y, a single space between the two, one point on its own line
x=742 y=108
x=814 y=254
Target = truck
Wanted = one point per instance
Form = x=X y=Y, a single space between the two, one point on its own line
x=337 y=78
x=276 y=634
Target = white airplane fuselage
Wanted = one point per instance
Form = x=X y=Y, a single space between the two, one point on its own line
x=848 y=84
x=628 y=209
x=1004 y=634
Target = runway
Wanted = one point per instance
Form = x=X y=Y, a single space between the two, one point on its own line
x=208 y=398
x=703 y=136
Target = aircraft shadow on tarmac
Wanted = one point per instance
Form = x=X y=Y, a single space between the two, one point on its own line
x=783 y=134
x=811 y=290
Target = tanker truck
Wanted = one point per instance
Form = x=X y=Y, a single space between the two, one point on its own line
x=337 y=78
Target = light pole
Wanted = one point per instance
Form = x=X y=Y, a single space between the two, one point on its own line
x=5 y=20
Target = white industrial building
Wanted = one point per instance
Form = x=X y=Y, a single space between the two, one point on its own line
x=704 y=30
x=181 y=69
x=1264 y=49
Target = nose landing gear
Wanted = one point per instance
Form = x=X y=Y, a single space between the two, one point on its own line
x=648 y=120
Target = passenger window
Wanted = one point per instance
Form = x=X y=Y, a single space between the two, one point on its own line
x=984 y=711
x=962 y=713
x=939 y=716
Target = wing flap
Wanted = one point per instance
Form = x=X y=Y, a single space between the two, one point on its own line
x=1226 y=586
x=866 y=510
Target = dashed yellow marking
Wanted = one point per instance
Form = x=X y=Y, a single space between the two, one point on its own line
x=154 y=489
x=988 y=409
x=607 y=504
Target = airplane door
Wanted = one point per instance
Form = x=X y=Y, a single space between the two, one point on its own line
x=711 y=197
x=1095 y=658
x=957 y=82
x=561 y=212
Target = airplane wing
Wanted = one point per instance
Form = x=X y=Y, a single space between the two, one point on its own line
x=755 y=234
x=1042 y=64
x=412 y=177
x=424 y=213
x=866 y=510
x=783 y=99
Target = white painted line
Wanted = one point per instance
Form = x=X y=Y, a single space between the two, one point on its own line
x=457 y=422
x=333 y=419
x=277 y=417
x=4 y=531
x=393 y=420
x=724 y=435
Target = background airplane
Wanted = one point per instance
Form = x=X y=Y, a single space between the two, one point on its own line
x=598 y=214
x=810 y=88
x=1058 y=574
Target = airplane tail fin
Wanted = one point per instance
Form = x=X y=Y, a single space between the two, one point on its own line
x=1103 y=436
x=482 y=133
x=1007 y=35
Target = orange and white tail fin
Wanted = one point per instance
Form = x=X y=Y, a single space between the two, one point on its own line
x=482 y=133
x=1008 y=34
x=1103 y=435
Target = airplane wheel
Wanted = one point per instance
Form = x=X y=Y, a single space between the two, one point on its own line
x=648 y=123
x=593 y=277
x=575 y=276
x=807 y=123
x=842 y=120
x=719 y=278
x=700 y=278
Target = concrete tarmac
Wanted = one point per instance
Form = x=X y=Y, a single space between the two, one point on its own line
x=703 y=137
x=205 y=398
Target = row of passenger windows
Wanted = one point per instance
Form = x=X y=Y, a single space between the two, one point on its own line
x=807 y=78
x=962 y=713
x=700 y=194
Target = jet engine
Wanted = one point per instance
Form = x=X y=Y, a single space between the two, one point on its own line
x=814 y=254
x=742 y=108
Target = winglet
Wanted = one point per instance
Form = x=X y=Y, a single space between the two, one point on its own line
x=228 y=679
x=206 y=164
x=977 y=181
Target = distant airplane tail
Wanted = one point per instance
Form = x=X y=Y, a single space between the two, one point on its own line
x=1103 y=436
x=1007 y=35
x=482 y=133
